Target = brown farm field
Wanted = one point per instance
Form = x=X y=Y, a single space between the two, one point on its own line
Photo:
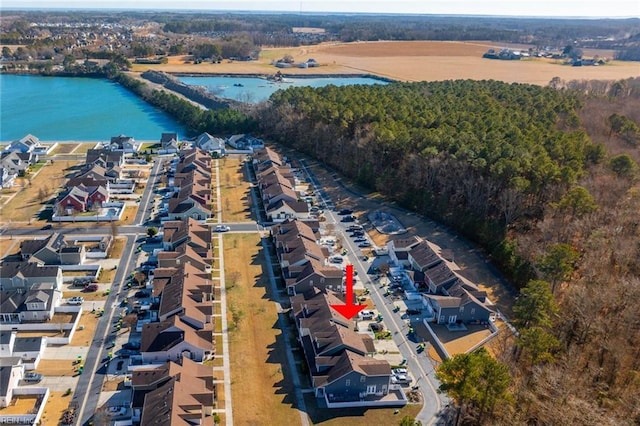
x=412 y=61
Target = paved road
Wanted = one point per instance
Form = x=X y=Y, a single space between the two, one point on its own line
x=90 y=383
x=419 y=364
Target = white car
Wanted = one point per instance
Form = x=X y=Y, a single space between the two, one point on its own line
x=222 y=228
x=76 y=300
x=367 y=315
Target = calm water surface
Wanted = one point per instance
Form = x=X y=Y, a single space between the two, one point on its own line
x=87 y=109
x=254 y=89
x=83 y=109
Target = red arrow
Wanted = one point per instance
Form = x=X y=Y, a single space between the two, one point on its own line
x=349 y=310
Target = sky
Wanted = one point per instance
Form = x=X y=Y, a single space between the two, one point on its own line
x=547 y=8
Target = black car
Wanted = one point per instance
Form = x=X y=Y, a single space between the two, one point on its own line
x=142 y=293
x=357 y=233
x=46 y=227
x=345 y=212
x=348 y=219
x=131 y=345
x=413 y=311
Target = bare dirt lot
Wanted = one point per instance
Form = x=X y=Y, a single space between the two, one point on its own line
x=411 y=61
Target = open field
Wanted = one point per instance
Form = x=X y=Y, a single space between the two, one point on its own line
x=25 y=205
x=261 y=394
x=64 y=148
x=411 y=61
x=82 y=148
x=56 y=405
x=234 y=191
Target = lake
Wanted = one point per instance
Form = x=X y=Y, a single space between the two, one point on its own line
x=255 y=89
x=80 y=109
x=88 y=109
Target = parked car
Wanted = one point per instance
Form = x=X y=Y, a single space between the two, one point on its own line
x=75 y=300
x=359 y=240
x=32 y=377
x=345 y=212
x=357 y=234
x=399 y=371
x=365 y=244
x=222 y=228
x=400 y=379
x=348 y=218
x=142 y=293
x=90 y=288
x=413 y=311
x=335 y=259
x=131 y=345
x=354 y=228
x=46 y=227
x=367 y=315
x=376 y=327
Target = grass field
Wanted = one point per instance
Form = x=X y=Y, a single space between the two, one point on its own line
x=83 y=337
x=56 y=405
x=26 y=203
x=56 y=367
x=234 y=191
x=261 y=394
x=9 y=246
x=411 y=61
x=64 y=148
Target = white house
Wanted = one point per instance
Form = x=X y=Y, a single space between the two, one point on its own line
x=11 y=372
x=28 y=143
x=126 y=144
x=211 y=144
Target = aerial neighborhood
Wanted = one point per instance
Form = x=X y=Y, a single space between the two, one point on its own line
x=168 y=311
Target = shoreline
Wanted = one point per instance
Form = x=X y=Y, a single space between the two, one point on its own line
x=284 y=75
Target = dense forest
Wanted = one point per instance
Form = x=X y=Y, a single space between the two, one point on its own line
x=546 y=180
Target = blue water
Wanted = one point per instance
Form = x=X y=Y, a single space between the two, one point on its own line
x=87 y=109
x=255 y=89
x=82 y=109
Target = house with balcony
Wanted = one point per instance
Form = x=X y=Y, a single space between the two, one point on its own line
x=37 y=305
x=174 y=394
x=342 y=369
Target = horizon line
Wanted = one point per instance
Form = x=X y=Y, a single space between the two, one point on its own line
x=298 y=12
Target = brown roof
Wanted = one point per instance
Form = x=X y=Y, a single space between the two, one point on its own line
x=162 y=336
x=424 y=255
x=405 y=243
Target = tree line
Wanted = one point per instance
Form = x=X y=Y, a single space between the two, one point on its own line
x=546 y=179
